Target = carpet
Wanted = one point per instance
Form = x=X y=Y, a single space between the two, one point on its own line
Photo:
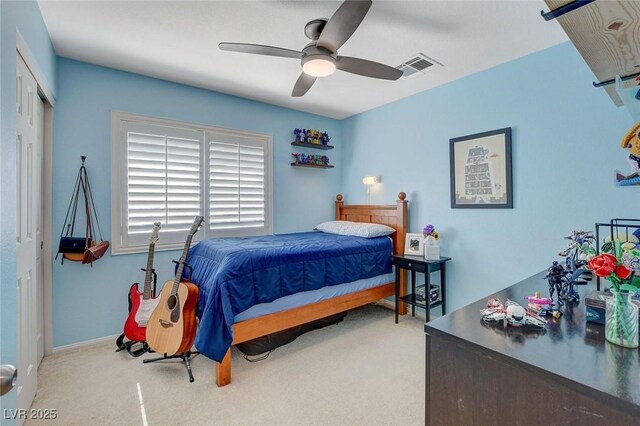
x=366 y=370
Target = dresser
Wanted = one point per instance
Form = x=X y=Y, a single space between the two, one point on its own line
x=568 y=375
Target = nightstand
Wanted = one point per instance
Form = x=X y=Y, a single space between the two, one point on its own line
x=420 y=264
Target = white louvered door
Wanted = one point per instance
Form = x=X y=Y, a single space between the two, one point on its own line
x=163 y=181
x=29 y=149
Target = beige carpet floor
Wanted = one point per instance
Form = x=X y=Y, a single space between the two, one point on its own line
x=364 y=371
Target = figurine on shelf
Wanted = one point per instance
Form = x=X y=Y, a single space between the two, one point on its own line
x=298 y=133
x=303 y=158
x=325 y=160
x=297 y=157
x=303 y=135
x=631 y=141
x=325 y=138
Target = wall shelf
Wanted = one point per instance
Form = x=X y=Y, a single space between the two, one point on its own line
x=312 y=145
x=316 y=166
x=606 y=35
x=628 y=97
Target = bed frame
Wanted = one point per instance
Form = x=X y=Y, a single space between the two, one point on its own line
x=394 y=216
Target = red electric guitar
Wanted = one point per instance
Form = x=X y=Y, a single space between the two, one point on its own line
x=142 y=304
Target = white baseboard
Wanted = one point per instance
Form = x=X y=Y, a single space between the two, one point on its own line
x=79 y=345
x=389 y=304
x=420 y=313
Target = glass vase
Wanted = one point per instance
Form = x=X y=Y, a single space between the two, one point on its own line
x=621 y=323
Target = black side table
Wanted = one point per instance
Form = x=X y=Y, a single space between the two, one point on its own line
x=420 y=264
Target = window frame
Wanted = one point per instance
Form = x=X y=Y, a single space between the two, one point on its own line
x=119 y=236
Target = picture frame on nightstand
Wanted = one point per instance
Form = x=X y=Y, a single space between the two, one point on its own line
x=414 y=244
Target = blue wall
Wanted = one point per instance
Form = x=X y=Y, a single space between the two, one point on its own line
x=91 y=302
x=24 y=17
x=565 y=148
x=566 y=137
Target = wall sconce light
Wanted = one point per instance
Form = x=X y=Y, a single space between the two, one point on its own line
x=368 y=181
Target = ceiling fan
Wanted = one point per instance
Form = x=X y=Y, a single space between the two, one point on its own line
x=320 y=57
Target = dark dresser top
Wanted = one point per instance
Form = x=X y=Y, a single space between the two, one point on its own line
x=571 y=348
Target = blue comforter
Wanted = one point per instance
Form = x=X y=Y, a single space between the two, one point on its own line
x=234 y=274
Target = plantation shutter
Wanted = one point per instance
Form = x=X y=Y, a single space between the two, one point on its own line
x=171 y=171
x=237 y=183
x=163 y=180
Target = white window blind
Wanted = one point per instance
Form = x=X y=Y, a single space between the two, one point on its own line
x=170 y=172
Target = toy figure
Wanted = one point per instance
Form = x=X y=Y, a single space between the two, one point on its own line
x=325 y=160
x=562 y=282
x=511 y=314
x=631 y=142
x=303 y=158
x=297 y=157
x=554 y=276
x=297 y=132
x=578 y=253
x=325 y=138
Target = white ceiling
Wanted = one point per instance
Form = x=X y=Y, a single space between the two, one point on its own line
x=178 y=41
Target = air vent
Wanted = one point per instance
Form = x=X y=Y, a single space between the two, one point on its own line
x=418 y=64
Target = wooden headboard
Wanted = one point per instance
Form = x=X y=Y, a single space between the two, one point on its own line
x=394 y=216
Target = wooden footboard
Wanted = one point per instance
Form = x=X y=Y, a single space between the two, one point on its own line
x=394 y=216
x=272 y=323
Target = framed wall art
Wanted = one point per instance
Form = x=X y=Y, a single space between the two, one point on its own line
x=481 y=170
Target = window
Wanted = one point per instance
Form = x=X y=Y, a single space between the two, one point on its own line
x=171 y=171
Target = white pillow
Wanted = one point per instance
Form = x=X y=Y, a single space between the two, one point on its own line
x=356 y=229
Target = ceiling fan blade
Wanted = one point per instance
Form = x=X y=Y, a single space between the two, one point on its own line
x=367 y=68
x=303 y=85
x=343 y=24
x=259 y=49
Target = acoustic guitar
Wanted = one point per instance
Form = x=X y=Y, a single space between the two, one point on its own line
x=141 y=305
x=172 y=326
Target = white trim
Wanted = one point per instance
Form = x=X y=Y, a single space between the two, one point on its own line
x=23 y=49
x=48 y=233
x=84 y=344
x=117 y=183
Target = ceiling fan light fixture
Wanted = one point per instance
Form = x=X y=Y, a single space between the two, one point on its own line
x=318 y=65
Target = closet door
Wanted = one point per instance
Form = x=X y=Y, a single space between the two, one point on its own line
x=29 y=148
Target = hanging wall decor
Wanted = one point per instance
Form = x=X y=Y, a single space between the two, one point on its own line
x=481 y=170
x=83 y=249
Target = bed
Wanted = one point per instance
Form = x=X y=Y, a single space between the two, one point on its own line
x=254 y=287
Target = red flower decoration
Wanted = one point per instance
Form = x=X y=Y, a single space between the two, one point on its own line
x=603 y=265
x=623 y=272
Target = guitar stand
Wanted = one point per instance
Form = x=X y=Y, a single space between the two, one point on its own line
x=185 y=356
x=186 y=266
x=155 y=280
